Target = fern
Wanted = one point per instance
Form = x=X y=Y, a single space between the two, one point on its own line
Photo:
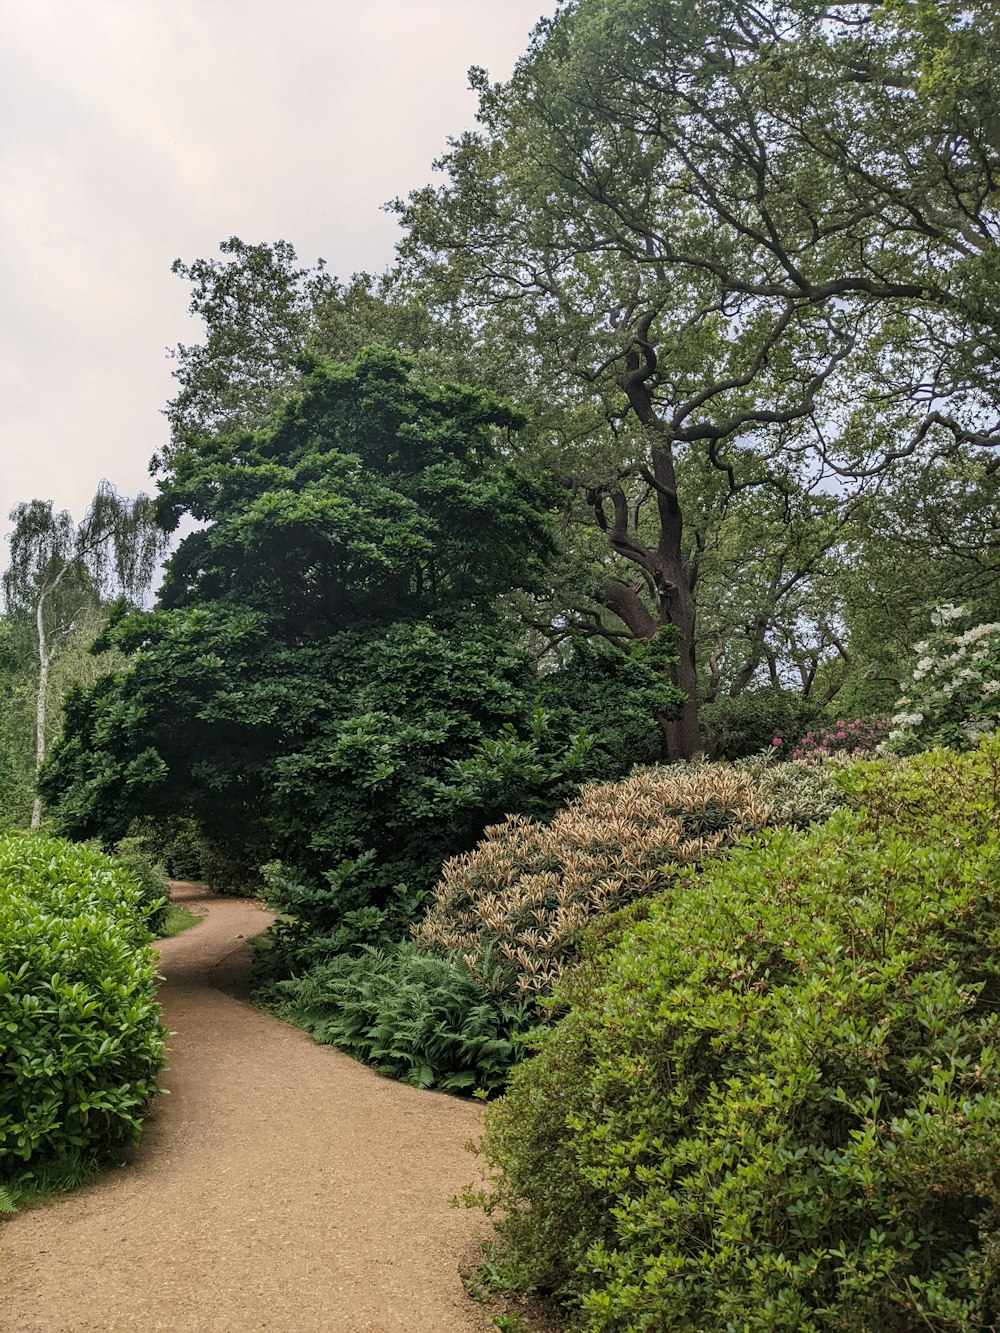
x=412 y=1016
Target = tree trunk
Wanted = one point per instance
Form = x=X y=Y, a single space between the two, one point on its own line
x=683 y=733
x=665 y=567
x=40 y=702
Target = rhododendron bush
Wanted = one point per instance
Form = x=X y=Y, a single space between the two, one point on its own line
x=952 y=695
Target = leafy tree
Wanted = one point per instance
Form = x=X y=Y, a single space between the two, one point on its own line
x=330 y=647
x=733 y=232
x=60 y=571
x=16 y=738
x=256 y=304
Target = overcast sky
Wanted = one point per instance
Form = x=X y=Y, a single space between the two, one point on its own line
x=133 y=132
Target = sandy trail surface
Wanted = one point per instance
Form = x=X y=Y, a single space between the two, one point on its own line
x=280 y=1185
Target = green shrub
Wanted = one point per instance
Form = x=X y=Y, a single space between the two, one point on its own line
x=226 y=870
x=80 y=1038
x=508 y=916
x=776 y=1104
x=937 y=796
x=149 y=875
x=175 y=845
x=412 y=1016
x=615 y=698
x=798 y=793
x=735 y=728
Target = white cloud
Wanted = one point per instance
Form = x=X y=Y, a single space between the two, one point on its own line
x=136 y=131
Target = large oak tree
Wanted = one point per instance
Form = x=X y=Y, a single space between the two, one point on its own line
x=758 y=239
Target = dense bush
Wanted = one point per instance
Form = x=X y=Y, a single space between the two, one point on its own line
x=451 y=1012
x=149 y=877
x=80 y=1037
x=379 y=799
x=797 y=792
x=615 y=698
x=735 y=728
x=852 y=736
x=511 y=909
x=775 y=1104
x=176 y=846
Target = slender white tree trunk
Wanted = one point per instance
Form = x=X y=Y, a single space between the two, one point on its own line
x=40 y=702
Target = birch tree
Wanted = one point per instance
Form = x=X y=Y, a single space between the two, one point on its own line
x=60 y=570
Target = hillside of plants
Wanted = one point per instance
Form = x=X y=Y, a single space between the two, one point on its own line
x=586 y=636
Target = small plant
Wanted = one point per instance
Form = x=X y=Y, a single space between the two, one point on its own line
x=952 y=694
x=414 y=1017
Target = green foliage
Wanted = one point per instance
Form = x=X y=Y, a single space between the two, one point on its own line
x=17 y=739
x=798 y=793
x=71 y=663
x=175 y=920
x=225 y=867
x=327 y=644
x=175 y=845
x=935 y=796
x=735 y=728
x=80 y=1037
x=774 y=1105
x=256 y=306
x=616 y=698
x=329 y=681
x=508 y=916
x=149 y=876
x=414 y=1017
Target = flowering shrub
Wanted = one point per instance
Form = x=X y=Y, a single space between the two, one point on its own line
x=952 y=695
x=845 y=736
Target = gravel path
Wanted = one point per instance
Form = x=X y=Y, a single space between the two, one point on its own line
x=281 y=1186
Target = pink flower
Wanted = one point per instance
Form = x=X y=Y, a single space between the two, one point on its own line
x=776 y=741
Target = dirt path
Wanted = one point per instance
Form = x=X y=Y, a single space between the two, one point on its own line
x=281 y=1186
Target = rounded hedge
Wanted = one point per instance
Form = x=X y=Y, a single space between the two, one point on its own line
x=80 y=1036
x=776 y=1103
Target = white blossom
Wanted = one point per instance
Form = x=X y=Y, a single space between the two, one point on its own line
x=977 y=632
x=944 y=614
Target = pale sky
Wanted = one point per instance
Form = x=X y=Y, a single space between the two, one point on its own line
x=134 y=132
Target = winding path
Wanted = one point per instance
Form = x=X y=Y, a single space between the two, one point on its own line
x=281 y=1186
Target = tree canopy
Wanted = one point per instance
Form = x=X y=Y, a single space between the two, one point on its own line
x=333 y=640
x=760 y=241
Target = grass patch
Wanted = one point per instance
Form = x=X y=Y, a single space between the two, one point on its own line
x=48 y=1183
x=176 y=919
